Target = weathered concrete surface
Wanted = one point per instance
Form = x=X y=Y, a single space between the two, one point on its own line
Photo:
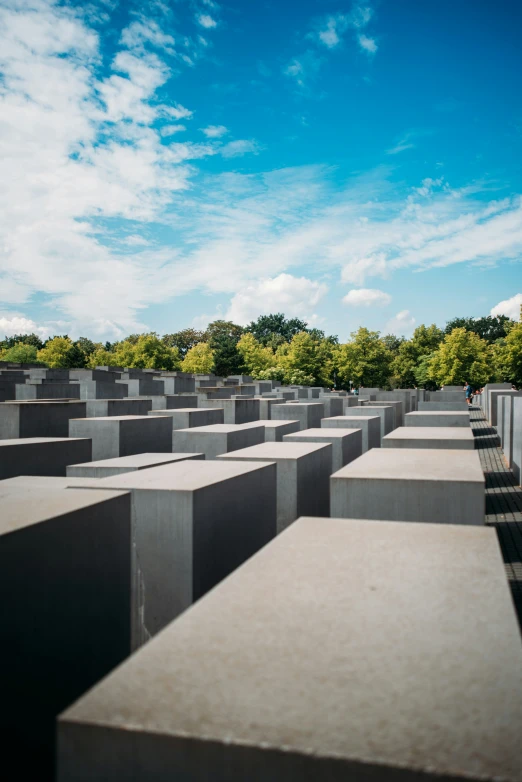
x=97 y=389
x=369 y=425
x=187 y=418
x=236 y=411
x=438 y=418
x=389 y=655
x=441 y=437
x=38 y=419
x=217 y=439
x=385 y=413
x=123 y=435
x=303 y=472
x=101 y=408
x=398 y=419
x=346 y=443
x=399 y=484
x=516 y=442
x=47 y=391
x=276 y=430
x=122 y=464
x=333 y=405
x=172 y=402
x=308 y=415
x=443 y=406
x=42 y=455
x=64 y=574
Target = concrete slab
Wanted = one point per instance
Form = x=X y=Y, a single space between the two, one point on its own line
x=275 y=431
x=236 y=411
x=443 y=406
x=308 y=415
x=47 y=391
x=38 y=419
x=42 y=455
x=346 y=443
x=188 y=417
x=389 y=655
x=398 y=419
x=170 y=402
x=438 y=418
x=303 y=472
x=444 y=437
x=333 y=405
x=493 y=402
x=265 y=408
x=399 y=484
x=123 y=435
x=65 y=564
x=123 y=464
x=516 y=441
x=97 y=389
x=101 y=408
x=385 y=412
x=217 y=439
x=369 y=425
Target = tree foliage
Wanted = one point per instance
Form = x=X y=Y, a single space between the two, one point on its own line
x=21 y=353
x=183 y=340
x=462 y=356
x=365 y=360
x=26 y=339
x=273 y=330
x=254 y=356
x=61 y=353
x=199 y=359
x=489 y=327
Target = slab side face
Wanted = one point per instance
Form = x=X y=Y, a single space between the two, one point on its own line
x=42 y=455
x=438 y=418
x=442 y=437
x=369 y=425
x=425 y=686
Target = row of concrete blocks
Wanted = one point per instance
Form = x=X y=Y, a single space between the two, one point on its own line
x=190 y=700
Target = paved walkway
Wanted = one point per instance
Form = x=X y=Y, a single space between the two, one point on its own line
x=503 y=503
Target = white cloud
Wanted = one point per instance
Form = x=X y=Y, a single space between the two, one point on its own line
x=177 y=112
x=402 y=324
x=403 y=144
x=206 y=21
x=239 y=147
x=367 y=44
x=509 y=307
x=367 y=297
x=214 y=131
x=170 y=130
x=295 y=296
x=303 y=69
x=17 y=324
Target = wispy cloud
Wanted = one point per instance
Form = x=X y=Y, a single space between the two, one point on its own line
x=402 y=324
x=510 y=307
x=240 y=147
x=404 y=143
x=303 y=69
x=214 y=131
x=367 y=297
x=295 y=296
x=369 y=45
x=330 y=30
x=206 y=21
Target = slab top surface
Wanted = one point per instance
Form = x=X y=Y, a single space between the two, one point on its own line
x=113 y=418
x=323 y=434
x=421 y=464
x=436 y=413
x=219 y=428
x=138 y=460
x=40 y=440
x=356 y=418
x=284 y=450
x=394 y=644
x=430 y=433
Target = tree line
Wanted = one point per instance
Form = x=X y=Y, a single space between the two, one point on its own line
x=478 y=350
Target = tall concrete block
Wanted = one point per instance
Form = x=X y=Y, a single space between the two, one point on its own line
x=398 y=419
x=303 y=472
x=106 y=468
x=507 y=444
x=168 y=402
x=123 y=435
x=385 y=413
x=216 y=439
x=275 y=431
x=42 y=455
x=65 y=564
x=178 y=384
x=516 y=438
x=370 y=426
x=443 y=406
x=346 y=443
x=398 y=395
x=493 y=402
x=436 y=486
x=188 y=417
x=101 y=408
x=441 y=437
x=102 y=375
x=194 y=522
x=38 y=419
x=142 y=386
x=438 y=418
x=308 y=415
x=388 y=655
x=350 y=401
x=236 y=411
x=48 y=391
x=97 y=389
x=265 y=407
x=332 y=405
x=487 y=391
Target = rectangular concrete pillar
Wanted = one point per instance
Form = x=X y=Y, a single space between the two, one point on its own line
x=333 y=405
x=123 y=435
x=436 y=486
x=398 y=419
x=188 y=417
x=385 y=413
x=441 y=437
x=265 y=407
x=443 y=406
x=346 y=443
x=171 y=402
x=216 y=439
x=438 y=418
x=106 y=468
x=493 y=402
x=48 y=391
x=389 y=655
x=308 y=415
x=42 y=455
x=275 y=431
x=97 y=389
x=38 y=419
x=65 y=576
x=369 y=425
x=516 y=442
x=303 y=472
x=101 y=408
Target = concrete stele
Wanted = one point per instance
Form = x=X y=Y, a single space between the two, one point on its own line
x=42 y=455
x=346 y=443
x=189 y=417
x=441 y=437
x=217 y=439
x=123 y=464
x=123 y=435
x=308 y=415
x=369 y=425
x=438 y=418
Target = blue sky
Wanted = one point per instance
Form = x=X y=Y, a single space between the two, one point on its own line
x=171 y=162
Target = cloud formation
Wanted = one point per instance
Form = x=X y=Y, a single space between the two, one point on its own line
x=510 y=307
x=367 y=297
x=295 y=296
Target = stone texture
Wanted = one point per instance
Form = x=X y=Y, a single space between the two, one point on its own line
x=346 y=443
x=123 y=435
x=38 y=419
x=42 y=455
x=217 y=439
x=442 y=437
x=123 y=464
x=437 y=418
x=369 y=425
x=308 y=415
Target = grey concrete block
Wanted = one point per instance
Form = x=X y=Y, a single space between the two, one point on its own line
x=516 y=439
x=42 y=455
x=385 y=412
x=188 y=417
x=142 y=386
x=123 y=435
x=308 y=415
x=487 y=391
x=445 y=487
x=101 y=408
x=398 y=395
x=38 y=419
x=303 y=472
x=97 y=389
x=178 y=384
x=493 y=402
x=332 y=405
x=442 y=437
x=438 y=418
x=370 y=426
x=65 y=565
x=346 y=443
x=168 y=402
x=275 y=431
x=265 y=408
x=106 y=468
x=236 y=411
x=48 y=391
x=388 y=656
x=398 y=419
x=507 y=444
x=443 y=406
x=216 y=439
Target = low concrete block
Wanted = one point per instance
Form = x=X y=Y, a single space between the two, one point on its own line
x=442 y=437
x=188 y=417
x=170 y=402
x=385 y=413
x=106 y=468
x=275 y=431
x=303 y=472
x=123 y=435
x=438 y=418
x=236 y=411
x=97 y=389
x=216 y=439
x=333 y=405
x=308 y=415
x=42 y=455
x=38 y=419
x=399 y=484
x=48 y=391
x=101 y=408
x=364 y=614
x=443 y=406
x=265 y=407
x=346 y=443
x=370 y=426
x=65 y=564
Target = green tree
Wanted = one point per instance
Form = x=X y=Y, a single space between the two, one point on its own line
x=101 y=358
x=26 y=339
x=310 y=357
x=223 y=337
x=462 y=356
x=183 y=340
x=199 y=359
x=489 y=328
x=508 y=356
x=254 y=357
x=61 y=352
x=21 y=353
x=365 y=360
x=425 y=340
x=273 y=330
x=151 y=353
